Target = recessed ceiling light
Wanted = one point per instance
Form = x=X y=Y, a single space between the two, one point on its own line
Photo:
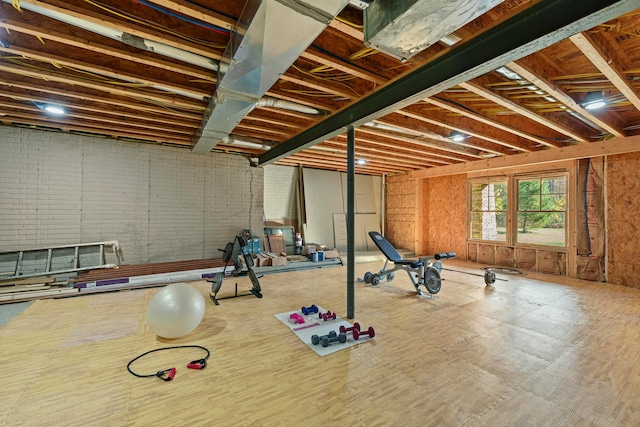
x=54 y=109
x=593 y=101
x=457 y=136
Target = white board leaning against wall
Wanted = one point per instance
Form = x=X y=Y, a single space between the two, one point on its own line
x=325 y=194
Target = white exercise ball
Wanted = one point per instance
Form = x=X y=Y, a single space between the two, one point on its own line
x=175 y=310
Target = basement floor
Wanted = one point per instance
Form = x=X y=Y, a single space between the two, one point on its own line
x=533 y=351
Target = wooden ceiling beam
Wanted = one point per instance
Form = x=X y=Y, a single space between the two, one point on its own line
x=82 y=97
x=517 y=108
x=104 y=118
x=476 y=146
x=109 y=72
x=528 y=69
x=628 y=144
x=339 y=90
x=97 y=130
x=103 y=87
x=604 y=57
x=372 y=153
x=420 y=142
x=95 y=46
x=340 y=164
x=109 y=20
x=407 y=150
x=68 y=122
x=482 y=119
x=467 y=131
x=341 y=65
x=98 y=112
x=192 y=10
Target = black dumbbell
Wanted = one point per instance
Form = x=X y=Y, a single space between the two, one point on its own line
x=358 y=332
x=326 y=340
x=315 y=339
x=344 y=329
x=309 y=310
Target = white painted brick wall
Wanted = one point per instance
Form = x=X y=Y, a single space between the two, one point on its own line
x=280 y=192
x=160 y=203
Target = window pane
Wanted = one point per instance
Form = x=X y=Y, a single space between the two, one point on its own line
x=553 y=202
x=488 y=216
x=554 y=186
x=541 y=228
x=488 y=225
x=476 y=196
x=528 y=187
x=529 y=203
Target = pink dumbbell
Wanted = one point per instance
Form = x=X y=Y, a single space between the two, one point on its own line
x=326 y=316
x=296 y=318
x=357 y=333
x=344 y=329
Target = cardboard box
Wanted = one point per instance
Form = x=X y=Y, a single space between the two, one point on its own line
x=262 y=260
x=279 y=260
x=331 y=254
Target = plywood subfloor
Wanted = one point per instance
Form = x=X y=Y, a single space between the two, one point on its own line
x=524 y=353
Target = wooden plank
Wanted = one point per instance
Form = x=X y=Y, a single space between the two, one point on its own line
x=22 y=288
x=275 y=243
x=29 y=281
x=37 y=294
x=617 y=146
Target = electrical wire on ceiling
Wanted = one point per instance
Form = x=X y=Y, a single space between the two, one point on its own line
x=338 y=80
x=140 y=86
x=349 y=23
x=312 y=93
x=203 y=24
x=363 y=53
x=129 y=17
x=340 y=59
x=321 y=71
x=88 y=75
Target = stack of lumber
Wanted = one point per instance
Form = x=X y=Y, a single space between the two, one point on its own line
x=132 y=270
x=15 y=290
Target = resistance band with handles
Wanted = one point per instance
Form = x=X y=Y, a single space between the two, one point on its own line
x=168 y=374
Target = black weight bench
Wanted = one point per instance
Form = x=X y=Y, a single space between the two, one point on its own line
x=422 y=271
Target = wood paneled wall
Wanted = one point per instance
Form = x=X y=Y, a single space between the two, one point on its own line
x=427 y=215
x=400 y=218
x=623 y=205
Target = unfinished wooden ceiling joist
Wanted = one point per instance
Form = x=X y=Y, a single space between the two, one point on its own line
x=148 y=71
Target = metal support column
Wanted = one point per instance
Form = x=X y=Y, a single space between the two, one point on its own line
x=351 y=196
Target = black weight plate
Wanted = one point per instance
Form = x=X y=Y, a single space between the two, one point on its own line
x=226 y=254
x=216 y=284
x=390 y=277
x=489 y=277
x=432 y=280
x=254 y=280
x=367 y=277
x=375 y=280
